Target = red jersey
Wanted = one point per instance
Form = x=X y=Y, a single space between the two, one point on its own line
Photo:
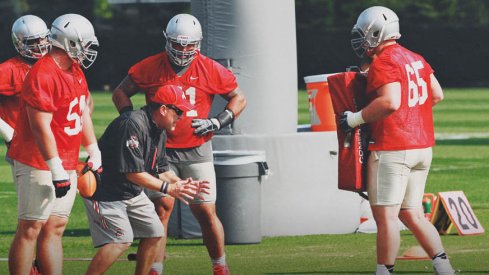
x=203 y=79
x=12 y=74
x=411 y=126
x=49 y=89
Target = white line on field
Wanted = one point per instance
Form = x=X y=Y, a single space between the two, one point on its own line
x=447 y=136
x=454 y=167
x=72 y=259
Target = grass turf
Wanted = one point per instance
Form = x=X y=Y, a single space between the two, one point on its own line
x=458 y=164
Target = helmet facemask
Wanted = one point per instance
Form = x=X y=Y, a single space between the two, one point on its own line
x=86 y=55
x=181 y=57
x=75 y=35
x=183 y=36
x=358 y=42
x=30 y=37
x=32 y=47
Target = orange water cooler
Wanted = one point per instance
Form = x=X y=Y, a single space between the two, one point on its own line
x=320 y=106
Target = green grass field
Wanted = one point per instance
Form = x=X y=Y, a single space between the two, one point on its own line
x=458 y=164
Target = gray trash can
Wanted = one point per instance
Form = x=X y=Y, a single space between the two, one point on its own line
x=238 y=203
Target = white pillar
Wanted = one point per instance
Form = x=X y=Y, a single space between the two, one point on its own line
x=256 y=38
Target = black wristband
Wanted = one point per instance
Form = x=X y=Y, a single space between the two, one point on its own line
x=126 y=109
x=164 y=187
x=225 y=118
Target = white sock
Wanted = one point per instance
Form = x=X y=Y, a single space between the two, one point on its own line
x=442 y=266
x=383 y=270
x=219 y=261
x=158 y=267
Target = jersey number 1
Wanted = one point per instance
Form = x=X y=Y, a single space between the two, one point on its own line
x=190 y=92
x=418 y=90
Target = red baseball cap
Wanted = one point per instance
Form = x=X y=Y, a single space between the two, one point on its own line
x=172 y=95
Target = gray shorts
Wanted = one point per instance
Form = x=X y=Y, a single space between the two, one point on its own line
x=122 y=221
x=197 y=171
x=36 y=196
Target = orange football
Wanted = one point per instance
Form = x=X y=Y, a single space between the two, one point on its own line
x=87 y=184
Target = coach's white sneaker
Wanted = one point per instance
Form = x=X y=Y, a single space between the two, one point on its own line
x=443 y=267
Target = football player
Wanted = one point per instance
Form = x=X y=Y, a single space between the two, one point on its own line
x=189 y=147
x=53 y=121
x=30 y=39
x=401 y=90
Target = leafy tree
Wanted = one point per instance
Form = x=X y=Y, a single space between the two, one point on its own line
x=343 y=13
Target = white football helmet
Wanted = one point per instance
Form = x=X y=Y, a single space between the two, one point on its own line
x=75 y=34
x=183 y=30
x=30 y=37
x=374 y=25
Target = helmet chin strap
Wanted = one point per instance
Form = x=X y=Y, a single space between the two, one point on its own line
x=29 y=60
x=179 y=69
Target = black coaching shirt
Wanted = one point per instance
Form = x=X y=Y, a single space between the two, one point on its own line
x=131 y=143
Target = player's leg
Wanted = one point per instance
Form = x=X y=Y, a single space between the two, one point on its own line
x=49 y=243
x=103 y=218
x=147 y=250
x=35 y=264
x=412 y=215
x=422 y=229
x=35 y=197
x=148 y=228
x=164 y=207
x=23 y=246
x=388 y=238
x=212 y=230
x=411 y=210
x=386 y=188
x=212 y=234
x=205 y=213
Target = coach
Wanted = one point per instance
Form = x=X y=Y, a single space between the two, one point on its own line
x=133 y=149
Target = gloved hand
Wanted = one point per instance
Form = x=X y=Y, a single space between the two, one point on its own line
x=349 y=120
x=344 y=122
x=94 y=161
x=60 y=178
x=61 y=187
x=204 y=126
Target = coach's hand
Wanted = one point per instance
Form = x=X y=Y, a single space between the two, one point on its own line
x=187 y=190
x=205 y=126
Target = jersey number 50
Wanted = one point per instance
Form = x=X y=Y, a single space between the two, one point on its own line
x=418 y=91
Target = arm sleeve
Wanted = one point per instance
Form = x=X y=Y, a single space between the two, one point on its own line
x=224 y=81
x=143 y=73
x=131 y=150
x=163 y=164
x=7 y=87
x=382 y=72
x=38 y=92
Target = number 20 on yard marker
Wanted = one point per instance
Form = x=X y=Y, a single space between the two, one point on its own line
x=453 y=208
